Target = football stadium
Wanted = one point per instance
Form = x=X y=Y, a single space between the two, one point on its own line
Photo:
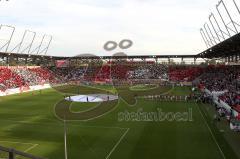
x=119 y=105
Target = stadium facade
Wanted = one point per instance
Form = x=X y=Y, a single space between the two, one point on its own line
x=226 y=52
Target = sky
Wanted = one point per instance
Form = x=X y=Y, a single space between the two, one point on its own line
x=156 y=27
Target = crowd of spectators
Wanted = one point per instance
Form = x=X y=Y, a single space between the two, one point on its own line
x=9 y=79
x=150 y=71
x=225 y=79
x=24 y=77
x=14 y=77
x=114 y=71
x=184 y=73
x=214 y=78
x=221 y=78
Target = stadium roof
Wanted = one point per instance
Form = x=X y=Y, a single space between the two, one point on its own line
x=224 y=49
x=227 y=48
x=16 y=55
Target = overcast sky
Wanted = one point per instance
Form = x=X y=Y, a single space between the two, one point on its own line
x=83 y=26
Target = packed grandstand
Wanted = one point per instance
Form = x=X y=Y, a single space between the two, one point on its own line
x=60 y=107
x=216 y=78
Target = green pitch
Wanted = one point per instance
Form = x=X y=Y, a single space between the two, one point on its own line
x=28 y=123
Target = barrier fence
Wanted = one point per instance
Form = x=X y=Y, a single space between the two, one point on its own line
x=9 y=153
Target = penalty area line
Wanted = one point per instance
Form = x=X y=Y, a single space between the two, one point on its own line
x=116 y=145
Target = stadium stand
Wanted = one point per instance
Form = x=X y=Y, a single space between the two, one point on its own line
x=9 y=79
x=13 y=77
x=219 y=78
x=223 y=79
x=183 y=73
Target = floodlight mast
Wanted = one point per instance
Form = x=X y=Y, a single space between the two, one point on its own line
x=222 y=32
x=30 y=45
x=23 y=38
x=38 y=47
x=7 y=44
x=204 y=38
x=212 y=15
x=22 y=41
x=211 y=32
x=210 y=40
x=20 y=44
x=45 y=50
x=236 y=31
x=10 y=37
x=222 y=19
x=32 y=42
x=41 y=44
x=236 y=6
x=48 y=45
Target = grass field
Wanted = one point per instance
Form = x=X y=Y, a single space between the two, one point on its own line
x=28 y=123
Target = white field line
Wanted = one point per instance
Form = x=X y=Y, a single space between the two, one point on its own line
x=65 y=141
x=28 y=149
x=219 y=148
x=90 y=109
x=115 y=146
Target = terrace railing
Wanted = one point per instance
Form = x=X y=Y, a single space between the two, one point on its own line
x=9 y=153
